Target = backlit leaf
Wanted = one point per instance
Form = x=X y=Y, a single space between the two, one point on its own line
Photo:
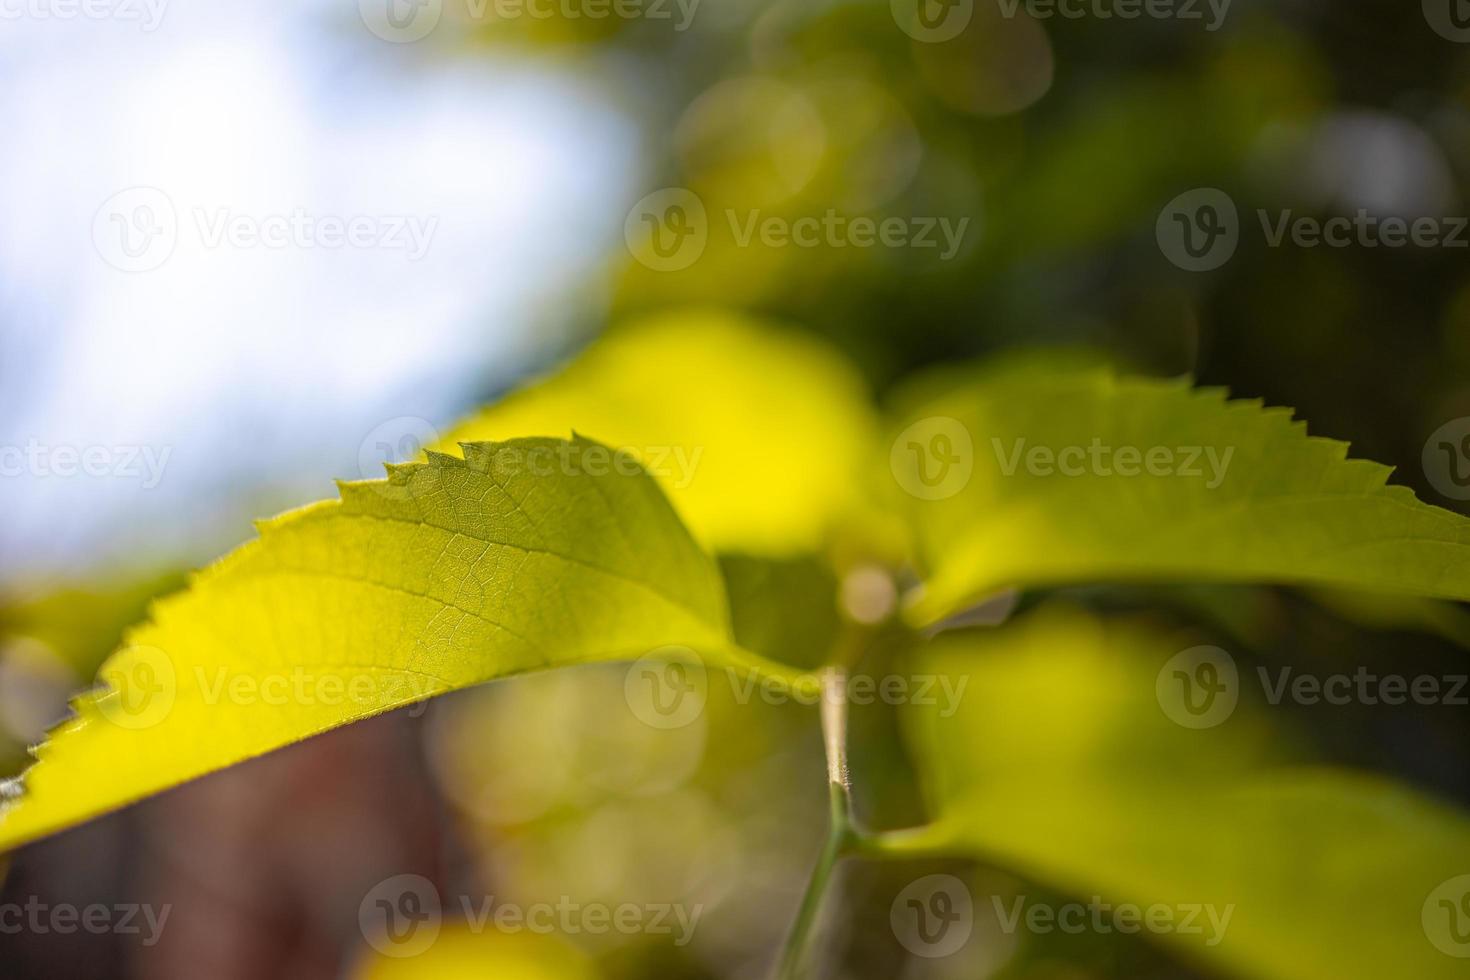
x=755 y=433
x=450 y=573
x=1036 y=475
x=1063 y=765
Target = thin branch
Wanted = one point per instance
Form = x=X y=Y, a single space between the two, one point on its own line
x=841 y=834
x=834 y=729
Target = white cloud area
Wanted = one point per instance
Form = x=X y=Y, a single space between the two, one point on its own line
x=260 y=368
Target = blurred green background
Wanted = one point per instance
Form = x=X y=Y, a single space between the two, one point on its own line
x=1059 y=141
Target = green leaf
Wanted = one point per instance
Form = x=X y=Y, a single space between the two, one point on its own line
x=783 y=608
x=450 y=573
x=460 y=952
x=1380 y=611
x=1062 y=764
x=1035 y=475
x=757 y=434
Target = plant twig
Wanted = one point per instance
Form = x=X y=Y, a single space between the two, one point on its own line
x=841 y=832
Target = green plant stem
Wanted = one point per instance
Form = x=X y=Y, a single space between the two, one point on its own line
x=844 y=834
x=794 y=955
x=841 y=832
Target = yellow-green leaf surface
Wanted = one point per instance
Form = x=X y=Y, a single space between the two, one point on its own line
x=450 y=573
x=1061 y=764
x=457 y=952
x=756 y=433
x=1034 y=475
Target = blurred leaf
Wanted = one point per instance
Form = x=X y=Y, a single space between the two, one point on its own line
x=1061 y=764
x=1379 y=611
x=80 y=623
x=784 y=609
x=1044 y=476
x=1201 y=123
x=450 y=573
x=461 y=953
x=755 y=433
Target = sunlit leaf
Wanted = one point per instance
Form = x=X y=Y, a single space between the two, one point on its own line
x=1033 y=475
x=450 y=573
x=755 y=433
x=463 y=952
x=1062 y=764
